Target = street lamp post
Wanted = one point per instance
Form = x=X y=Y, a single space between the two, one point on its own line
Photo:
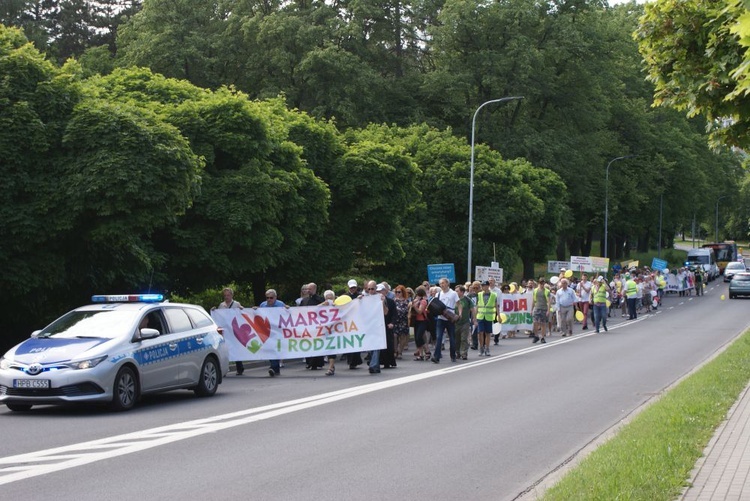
x=661 y=211
x=471 y=176
x=606 y=201
x=717 y=216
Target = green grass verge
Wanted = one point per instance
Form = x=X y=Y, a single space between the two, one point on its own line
x=651 y=458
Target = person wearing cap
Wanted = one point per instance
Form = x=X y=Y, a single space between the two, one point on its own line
x=540 y=310
x=599 y=293
x=487 y=313
x=354 y=359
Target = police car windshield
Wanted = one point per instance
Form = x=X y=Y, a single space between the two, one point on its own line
x=100 y=324
x=698 y=259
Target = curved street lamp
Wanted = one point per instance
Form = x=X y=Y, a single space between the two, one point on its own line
x=471 y=176
x=606 y=201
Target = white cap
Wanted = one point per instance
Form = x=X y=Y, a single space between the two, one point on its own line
x=600 y=278
x=380 y=287
x=352 y=283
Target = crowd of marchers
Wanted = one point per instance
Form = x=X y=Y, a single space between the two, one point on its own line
x=467 y=317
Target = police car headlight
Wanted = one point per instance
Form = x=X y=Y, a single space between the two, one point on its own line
x=5 y=363
x=86 y=364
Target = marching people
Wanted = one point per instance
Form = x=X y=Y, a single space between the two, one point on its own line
x=388 y=355
x=631 y=293
x=230 y=303
x=487 y=313
x=354 y=359
x=565 y=299
x=401 y=321
x=599 y=294
x=272 y=301
x=466 y=314
x=449 y=298
x=329 y=298
x=419 y=305
x=583 y=290
x=312 y=299
x=540 y=311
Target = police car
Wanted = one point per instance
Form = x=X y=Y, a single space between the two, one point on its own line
x=114 y=351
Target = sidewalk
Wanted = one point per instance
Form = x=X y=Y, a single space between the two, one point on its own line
x=723 y=472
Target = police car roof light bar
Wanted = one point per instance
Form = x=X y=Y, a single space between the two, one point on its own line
x=128 y=298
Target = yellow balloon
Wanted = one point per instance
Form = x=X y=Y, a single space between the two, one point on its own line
x=342 y=300
x=512 y=288
x=503 y=318
x=579 y=316
x=722 y=297
x=568 y=273
x=609 y=303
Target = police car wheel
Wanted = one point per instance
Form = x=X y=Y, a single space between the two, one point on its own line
x=125 y=390
x=19 y=407
x=208 y=380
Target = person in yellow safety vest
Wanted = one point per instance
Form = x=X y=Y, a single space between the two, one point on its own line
x=540 y=310
x=631 y=291
x=599 y=293
x=487 y=313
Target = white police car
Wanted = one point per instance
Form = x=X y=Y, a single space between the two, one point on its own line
x=114 y=351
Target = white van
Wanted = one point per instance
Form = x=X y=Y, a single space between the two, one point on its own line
x=706 y=258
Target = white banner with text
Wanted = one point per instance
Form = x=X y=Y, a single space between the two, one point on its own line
x=298 y=332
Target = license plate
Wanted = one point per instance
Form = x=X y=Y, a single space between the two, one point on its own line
x=31 y=383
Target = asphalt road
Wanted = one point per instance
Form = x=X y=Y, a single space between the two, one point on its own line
x=487 y=428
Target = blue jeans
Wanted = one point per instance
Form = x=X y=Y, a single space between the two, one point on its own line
x=276 y=366
x=375 y=360
x=440 y=326
x=600 y=315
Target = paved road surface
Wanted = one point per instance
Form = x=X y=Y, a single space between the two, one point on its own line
x=489 y=428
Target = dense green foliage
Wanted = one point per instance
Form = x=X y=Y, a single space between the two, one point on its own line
x=195 y=143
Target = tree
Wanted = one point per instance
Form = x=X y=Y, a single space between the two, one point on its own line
x=696 y=55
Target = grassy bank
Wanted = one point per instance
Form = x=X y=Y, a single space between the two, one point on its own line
x=651 y=458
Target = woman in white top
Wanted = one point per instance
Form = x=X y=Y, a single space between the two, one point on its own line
x=584 y=292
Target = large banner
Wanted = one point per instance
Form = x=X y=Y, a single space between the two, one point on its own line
x=308 y=331
x=674 y=284
x=517 y=309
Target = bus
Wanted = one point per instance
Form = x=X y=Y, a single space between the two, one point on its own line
x=725 y=252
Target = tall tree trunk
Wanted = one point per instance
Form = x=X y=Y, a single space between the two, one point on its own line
x=560 y=251
x=528 y=267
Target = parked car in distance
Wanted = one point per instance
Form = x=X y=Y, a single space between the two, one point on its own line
x=740 y=285
x=732 y=268
x=114 y=351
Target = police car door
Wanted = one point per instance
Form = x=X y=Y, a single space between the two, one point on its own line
x=190 y=344
x=158 y=358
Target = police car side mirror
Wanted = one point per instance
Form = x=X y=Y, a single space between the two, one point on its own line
x=147 y=333
x=36 y=333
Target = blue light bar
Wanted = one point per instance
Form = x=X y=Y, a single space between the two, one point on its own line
x=128 y=298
